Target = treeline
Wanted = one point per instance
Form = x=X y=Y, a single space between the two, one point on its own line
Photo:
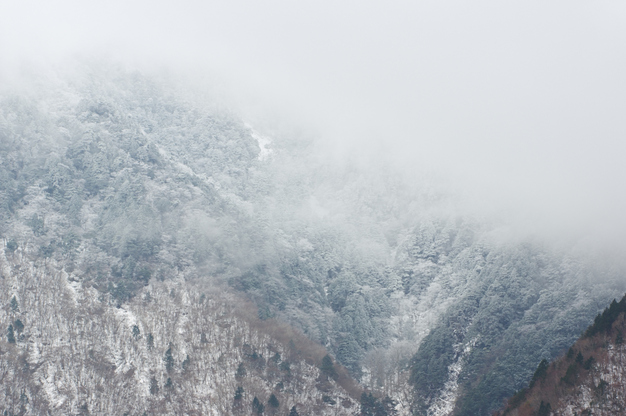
x=557 y=384
x=127 y=183
x=503 y=325
x=604 y=321
x=179 y=348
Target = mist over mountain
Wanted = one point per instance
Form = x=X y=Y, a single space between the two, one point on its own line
x=303 y=209
x=116 y=181
x=517 y=105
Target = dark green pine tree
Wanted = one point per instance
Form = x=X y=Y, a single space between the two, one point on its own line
x=544 y=409
x=368 y=404
x=18 y=325
x=150 y=341
x=154 y=386
x=14 y=305
x=241 y=371
x=293 y=412
x=186 y=363
x=286 y=367
x=540 y=373
x=273 y=401
x=168 y=360
x=257 y=406
x=389 y=406
x=136 y=331
x=327 y=367
x=579 y=358
x=371 y=406
x=10 y=335
x=11 y=246
x=239 y=393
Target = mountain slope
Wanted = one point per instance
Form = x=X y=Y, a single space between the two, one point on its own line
x=589 y=379
x=523 y=304
x=68 y=349
x=126 y=184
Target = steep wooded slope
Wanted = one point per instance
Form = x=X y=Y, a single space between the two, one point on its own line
x=588 y=380
x=122 y=182
x=70 y=349
x=504 y=305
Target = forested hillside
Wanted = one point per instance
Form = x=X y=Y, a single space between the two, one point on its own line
x=588 y=380
x=175 y=348
x=522 y=304
x=119 y=191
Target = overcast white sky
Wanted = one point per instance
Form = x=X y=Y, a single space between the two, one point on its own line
x=524 y=101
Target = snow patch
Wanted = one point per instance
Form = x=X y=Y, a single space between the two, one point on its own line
x=264 y=143
x=444 y=404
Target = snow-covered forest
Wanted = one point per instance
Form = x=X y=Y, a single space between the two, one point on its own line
x=138 y=222
x=171 y=350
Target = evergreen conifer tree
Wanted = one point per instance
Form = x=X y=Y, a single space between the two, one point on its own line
x=368 y=404
x=241 y=371
x=327 y=367
x=14 y=305
x=371 y=406
x=10 y=335
x=18 y=325
x=154 y=386
x=540 y=373
x=273 y=401
x=11 y=246
x=257 y=406
x=293 y=412
x=544 y=409
x=239 y=393
x=286 y=367
x=579 y=358
x=168 y=360
x=389 y=406
x=136 y=331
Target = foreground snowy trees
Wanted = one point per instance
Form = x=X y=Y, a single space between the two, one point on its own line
x=76 y=350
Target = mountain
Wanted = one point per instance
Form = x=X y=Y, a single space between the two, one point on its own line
x=589 y=379
x=175 y=348
x=117 y=184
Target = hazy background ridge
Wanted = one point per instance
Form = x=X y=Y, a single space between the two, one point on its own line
x=519 y=106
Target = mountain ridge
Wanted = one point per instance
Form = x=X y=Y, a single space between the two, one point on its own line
x=117 y=179
x=589 y=379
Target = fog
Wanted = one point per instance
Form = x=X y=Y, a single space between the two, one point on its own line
x=518 y=105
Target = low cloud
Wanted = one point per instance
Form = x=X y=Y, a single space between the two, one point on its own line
x=519 y=106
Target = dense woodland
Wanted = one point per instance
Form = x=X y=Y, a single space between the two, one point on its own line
x=175 y=348
x=116 y=186
x=588 y=380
